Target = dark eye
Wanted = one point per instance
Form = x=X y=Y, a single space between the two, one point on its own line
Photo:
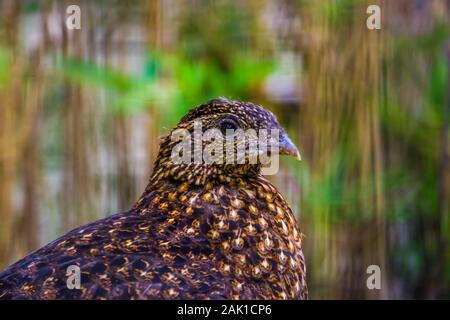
x=227 y=125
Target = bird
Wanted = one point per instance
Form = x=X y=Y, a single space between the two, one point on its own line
x=199 y=231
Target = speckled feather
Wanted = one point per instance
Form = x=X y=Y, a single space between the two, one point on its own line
x=210 y=232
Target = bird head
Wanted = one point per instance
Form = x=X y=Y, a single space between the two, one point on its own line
x=221 y=140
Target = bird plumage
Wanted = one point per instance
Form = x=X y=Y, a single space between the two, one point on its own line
x=198 y=232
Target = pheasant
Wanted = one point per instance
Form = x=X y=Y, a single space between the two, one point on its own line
x=199 y=231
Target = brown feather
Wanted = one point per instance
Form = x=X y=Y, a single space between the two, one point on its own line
x=221 y=233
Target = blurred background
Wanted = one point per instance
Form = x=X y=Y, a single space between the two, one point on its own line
x=81 y=112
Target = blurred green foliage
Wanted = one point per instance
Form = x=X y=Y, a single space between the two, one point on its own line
x=184 y=81
x=5 y=66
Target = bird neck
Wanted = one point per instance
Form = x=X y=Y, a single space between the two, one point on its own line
x=198 y=173
x=198 y=177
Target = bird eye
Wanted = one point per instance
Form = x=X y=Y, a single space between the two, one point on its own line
x=227 y=125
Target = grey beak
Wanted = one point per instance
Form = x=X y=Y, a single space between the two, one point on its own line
x=287 y=147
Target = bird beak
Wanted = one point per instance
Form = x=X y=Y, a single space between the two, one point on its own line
x=287 y=147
